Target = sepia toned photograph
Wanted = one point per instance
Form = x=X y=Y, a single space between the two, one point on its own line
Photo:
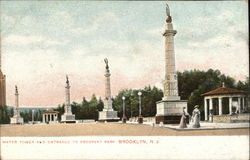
x=124 y=80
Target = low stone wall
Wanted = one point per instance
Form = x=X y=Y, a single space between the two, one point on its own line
x=145 y=119
x=222 y=119
x=231 y=118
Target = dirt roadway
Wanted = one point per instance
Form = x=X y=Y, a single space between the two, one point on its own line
x=112 y=129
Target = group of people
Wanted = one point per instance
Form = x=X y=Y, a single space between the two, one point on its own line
x=195 y=119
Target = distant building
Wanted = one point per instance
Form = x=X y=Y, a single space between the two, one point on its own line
x=2 y=87
x=50 y=116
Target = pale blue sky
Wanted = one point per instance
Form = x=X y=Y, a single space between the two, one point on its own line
x=44 y=40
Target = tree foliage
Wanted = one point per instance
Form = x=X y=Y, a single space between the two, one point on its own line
x=149 y=98
x=192 y=84
x=85 y=109
x=5 y=115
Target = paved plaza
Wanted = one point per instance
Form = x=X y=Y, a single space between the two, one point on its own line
x=112 y=129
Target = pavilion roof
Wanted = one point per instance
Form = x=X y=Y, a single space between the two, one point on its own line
x=223 y=90
x=50 y=111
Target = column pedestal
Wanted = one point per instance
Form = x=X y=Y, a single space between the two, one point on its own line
x=170 y=112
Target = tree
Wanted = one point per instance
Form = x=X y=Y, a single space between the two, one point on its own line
x=5 y=114
x=192 y=84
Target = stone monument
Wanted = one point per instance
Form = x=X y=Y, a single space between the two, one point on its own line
x=108 y=114
x=67 y=117
x=16 y=119
x=169 y=109
x=2 y=85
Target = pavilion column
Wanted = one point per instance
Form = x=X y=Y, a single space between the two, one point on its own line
x=45 y=115
x=243 y=103
x=49 y=117
x=220 y=105
x=54 y=117
x=210 y=107
x=205 y=108
x=43 y=118
x=239 y=104
x=230 y=105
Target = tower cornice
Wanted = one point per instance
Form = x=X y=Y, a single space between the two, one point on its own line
x=169 y=32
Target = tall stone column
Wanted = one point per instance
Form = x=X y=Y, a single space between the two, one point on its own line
x=107 y=100
x=107 y=114
x=205 y=108
x=230 y=105
x=170 y=83
x=170 y=109
x=67 y=94
x=67 y=117
x=16 y=111
x=220 y=105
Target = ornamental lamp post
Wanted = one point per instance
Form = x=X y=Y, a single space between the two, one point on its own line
x=123 y=107
x=140 y=118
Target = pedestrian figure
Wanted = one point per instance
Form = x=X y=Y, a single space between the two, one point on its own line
x=196 y=117
x=183 y=123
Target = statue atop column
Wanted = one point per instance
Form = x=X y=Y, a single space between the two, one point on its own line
x=107 y=65
x=169 y=18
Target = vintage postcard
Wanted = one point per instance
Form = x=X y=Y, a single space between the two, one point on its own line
x=124 y=80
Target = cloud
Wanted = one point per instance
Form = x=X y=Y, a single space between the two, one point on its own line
x=102 y=19
x=62 y=18
x=218 y=41
x=155 y=31
x=20 y=40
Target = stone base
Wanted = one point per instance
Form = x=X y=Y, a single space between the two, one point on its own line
x=168 y=119
x=140 y=119
x=108 y=116
x=68 y=118
x=109 y=120
x=124 y=120
x=16 y=120
x=170 y=111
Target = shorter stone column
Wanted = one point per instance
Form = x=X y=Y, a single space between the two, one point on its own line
x=220 y=105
